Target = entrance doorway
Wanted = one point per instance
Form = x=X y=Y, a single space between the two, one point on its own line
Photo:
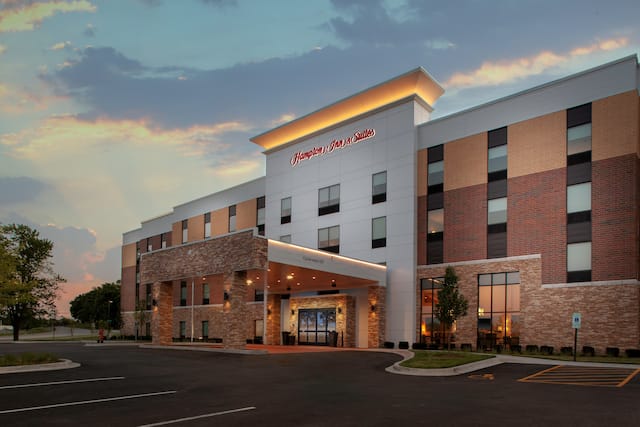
x=314 y=325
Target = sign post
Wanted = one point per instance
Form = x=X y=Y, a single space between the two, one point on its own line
x=576 y=320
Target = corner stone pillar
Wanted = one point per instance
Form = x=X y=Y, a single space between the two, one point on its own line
x=376 y=319
x=162 y=314
x=236 y=314
x=273 y=319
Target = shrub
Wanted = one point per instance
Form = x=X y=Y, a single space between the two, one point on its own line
x=419 y=346
x=632 y=352
x=465 y=347
x=567 y=351
x=546 y=349
x=388 y=344
x=403 y=345
x=587 y=350
x=531 y=348
x=612 y=351
x=516 y=348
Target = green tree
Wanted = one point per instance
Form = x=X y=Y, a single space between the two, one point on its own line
x=142 y=316
x=28 y=284
x=100 y=306
x=451 y=303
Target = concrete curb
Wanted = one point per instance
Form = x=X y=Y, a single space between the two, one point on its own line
x=497 y=360
x=206 y=349
x=63 y=364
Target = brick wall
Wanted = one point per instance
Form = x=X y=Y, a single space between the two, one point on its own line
x=536 y=221
x=614 y=211
x=465 y=223
x=609 y=313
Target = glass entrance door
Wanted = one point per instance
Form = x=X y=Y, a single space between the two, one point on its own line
x=314 y=325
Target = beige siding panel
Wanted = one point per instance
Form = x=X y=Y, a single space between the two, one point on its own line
x=422 y=172
x=537 y=145
x=196 y=228
x=176 y=233
x=220 y=222
x=129 y=255
x=246 y=214
x=614 y=126
x=465 y=162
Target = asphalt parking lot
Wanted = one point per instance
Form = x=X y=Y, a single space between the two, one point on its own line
x=130 y=386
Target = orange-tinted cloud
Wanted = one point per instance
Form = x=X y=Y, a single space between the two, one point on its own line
x=14 y=100
x=29 y=17
x=3 y=49
x=500 y=72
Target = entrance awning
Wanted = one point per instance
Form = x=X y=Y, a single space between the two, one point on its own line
x=297 y=269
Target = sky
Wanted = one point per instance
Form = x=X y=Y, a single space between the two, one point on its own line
x=114 y=111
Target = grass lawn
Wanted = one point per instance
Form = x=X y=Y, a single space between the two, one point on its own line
x=427 y=359
x=27 y=359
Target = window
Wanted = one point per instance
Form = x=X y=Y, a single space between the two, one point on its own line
x=579 y=262
x=497 y=164
x=435 y=236
x=497 y=228
x=206 y=293
x=183 y=329
x=205 y=329
x=379 y=187
x=329 y=239
x=149 y=245
x=435 y=178
x=258 y=296
x=285 y=210
x=430 y=328
x=260 y=203
x=148 y=297
x=232 y=218
x=497 y=211
x=329 y=200
x=185 y=230
x=498 y=309
x=163 y=240
x=207 y=225
x=183 y=294
x=579 y=198
x=286 y=238
x=379 y=232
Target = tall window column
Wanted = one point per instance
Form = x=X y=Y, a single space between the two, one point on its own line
x=435 y=204
x=497 y=194
x=579 y=194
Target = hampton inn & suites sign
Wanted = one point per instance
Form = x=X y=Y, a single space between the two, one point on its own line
x=336 y=144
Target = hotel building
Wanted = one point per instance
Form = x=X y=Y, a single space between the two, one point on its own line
x=532 y=198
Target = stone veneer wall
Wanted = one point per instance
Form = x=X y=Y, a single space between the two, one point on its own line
x=345 y=321
x=273 y=319
x=609 y=311
x=376 y=295
x=161 y=314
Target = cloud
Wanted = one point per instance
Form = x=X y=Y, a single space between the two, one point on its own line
x=285 y=118
x=61 y=45
x=29 y=17
x=507 y=71
x=15 y=100
x=55 y=132
x=20 y=189
x=3 y=49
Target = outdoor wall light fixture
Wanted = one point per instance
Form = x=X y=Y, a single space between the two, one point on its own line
x=333 y=284
x=293 y=312
x=373 y=308
x=226 y=296
x=339 y=310
x=249 y=282
x=268 y=312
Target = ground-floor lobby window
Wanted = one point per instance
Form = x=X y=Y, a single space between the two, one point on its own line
x=430 y=328
x=498 y=309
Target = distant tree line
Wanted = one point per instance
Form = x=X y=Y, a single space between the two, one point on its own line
x=100 y=306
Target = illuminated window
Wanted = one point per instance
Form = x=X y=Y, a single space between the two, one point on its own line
x=499 y=318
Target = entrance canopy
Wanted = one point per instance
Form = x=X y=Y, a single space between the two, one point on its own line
x=297 y=269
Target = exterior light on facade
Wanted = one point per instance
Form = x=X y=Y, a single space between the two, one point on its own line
x=339 y=310
x=373 y=308
x=289 y=276
x=480 y=311
x=249 y=282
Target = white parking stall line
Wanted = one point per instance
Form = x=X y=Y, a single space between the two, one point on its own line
x=197 y=417
x=86 y=380
x=86 y=402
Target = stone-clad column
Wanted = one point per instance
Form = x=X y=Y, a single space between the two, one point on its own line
x=162 y=313
x=235 y=310
x=273 y=319
x=376 y=320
